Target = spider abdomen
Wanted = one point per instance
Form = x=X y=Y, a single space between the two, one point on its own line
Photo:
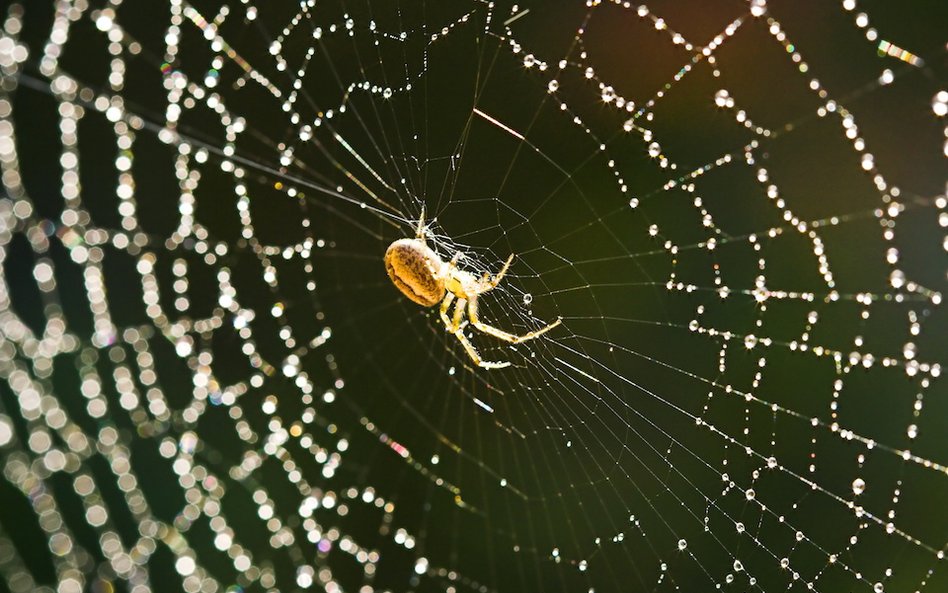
x=414 y=269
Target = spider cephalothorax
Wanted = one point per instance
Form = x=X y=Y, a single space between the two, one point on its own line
x=422 y=276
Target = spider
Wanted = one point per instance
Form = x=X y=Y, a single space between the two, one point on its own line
x=417 y=271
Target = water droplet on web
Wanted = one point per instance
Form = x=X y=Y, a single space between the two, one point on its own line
x=6 y=431
x=633 y=203
x=878 y=588
x=750 y=341
x=859 y=486
x=723 y=99
x=750 y=494
x=654 y=149
x=527 y=298
x=940 y=103
x=682 y=544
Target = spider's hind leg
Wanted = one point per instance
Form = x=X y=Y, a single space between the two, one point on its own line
x=420 y=233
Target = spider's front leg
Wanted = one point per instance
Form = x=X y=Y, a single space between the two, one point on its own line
x=499 y=333
x=456 y=326
x=445 y=305
x=487 y=283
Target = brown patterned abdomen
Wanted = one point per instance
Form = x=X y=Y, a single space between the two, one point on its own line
x=413 y=268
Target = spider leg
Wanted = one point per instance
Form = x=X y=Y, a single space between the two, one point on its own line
x=456 y=327
x=501 y=334
x=477 y=357
x=487 y=283
x=421 y=225
x=458 y=315
x=445 y=305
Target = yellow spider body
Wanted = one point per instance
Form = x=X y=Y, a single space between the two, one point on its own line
x=422 y=276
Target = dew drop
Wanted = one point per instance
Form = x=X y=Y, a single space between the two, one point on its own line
x=859 y=486
x=721 y=98
x=6 y=435
x=940 y=103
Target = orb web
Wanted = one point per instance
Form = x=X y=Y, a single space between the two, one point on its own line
x=208 y=383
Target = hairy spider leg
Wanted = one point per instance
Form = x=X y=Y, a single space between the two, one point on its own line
x=487 y=283
x=420 y=234
x=445 y=304
x=456 y=327
x=499 y=333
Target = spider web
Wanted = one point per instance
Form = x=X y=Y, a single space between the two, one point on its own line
x=209 y=384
